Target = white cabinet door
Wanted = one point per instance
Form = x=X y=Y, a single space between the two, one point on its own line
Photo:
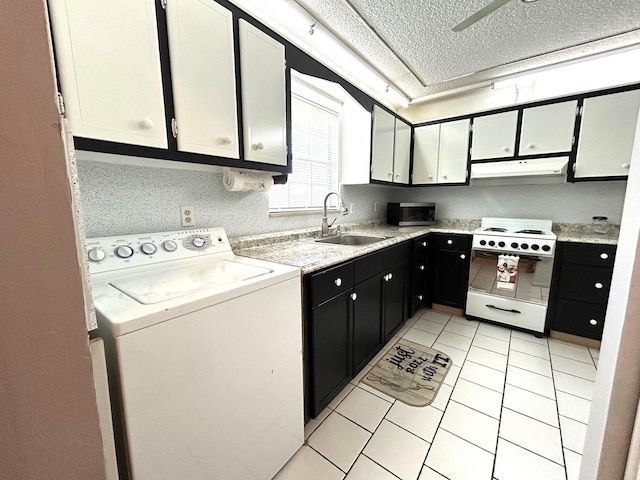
x=425 y=154
x=607 y=133
x=203 y=75
x=494 y=136
x=382 y=146
x=548 y=128
x=109 y=69
x=401 y=152
x=453 y=152
x=262 y=62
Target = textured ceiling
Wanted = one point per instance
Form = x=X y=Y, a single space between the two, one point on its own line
x=411 y=44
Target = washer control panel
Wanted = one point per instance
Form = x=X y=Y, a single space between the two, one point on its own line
x=105 y=254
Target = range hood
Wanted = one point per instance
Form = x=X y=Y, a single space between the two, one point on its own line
x=520 y=172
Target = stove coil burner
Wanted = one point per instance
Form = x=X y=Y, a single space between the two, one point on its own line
x=531 y=232
x=495 y=229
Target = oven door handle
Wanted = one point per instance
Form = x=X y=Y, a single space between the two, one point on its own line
x=510 y=310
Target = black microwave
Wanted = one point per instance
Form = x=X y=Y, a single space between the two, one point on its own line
x=405 y=214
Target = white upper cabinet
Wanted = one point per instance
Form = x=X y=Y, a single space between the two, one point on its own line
x=494 y=136
x=401 y=152
x=426 y=141
x=453 y=152
x=607 y=133
x=109 y=70
x=548 y=128
x=203 y=76
x=382 y=147
x=263 y=96
x=440 y=153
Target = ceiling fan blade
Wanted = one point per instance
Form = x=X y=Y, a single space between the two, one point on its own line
x=480 y=14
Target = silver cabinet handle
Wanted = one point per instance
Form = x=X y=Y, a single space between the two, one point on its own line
x=424 y=244
x=626 y=166
x=505 y=149
x=449 y=242
x=390 y=276
x=593 y=321
x=598 y=285
x=354 y=296
x=420 y=297
x=338 y=282
x=421 y=267
x=604 y=256
x=463 y=256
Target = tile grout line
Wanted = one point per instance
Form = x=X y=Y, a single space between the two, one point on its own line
x=495 y=457
x=555 y=391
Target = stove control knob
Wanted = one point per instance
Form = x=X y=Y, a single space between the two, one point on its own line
x=483 y=242
x=198 y=242
x=501 y=244
x=148 y=248
x=524 y=246
x=492 y=243
x=546 y=248
x=514 y=245
x=169 y=246
x=535 y=246
x=96 y=254
x=124 y=251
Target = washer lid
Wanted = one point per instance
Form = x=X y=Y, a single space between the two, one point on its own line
x=176 y=281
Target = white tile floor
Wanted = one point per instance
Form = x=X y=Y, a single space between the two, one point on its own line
x=512 y=407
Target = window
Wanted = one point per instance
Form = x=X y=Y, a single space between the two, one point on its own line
x=315 y=151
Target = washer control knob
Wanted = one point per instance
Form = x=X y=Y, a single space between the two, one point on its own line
x=198 y=242
x=546 y=248
x=535 y=246
x=514 y=245
x=96 y=254
x=524 y=246
x=124 y=251
x=148 y=248
x=501 y=244
x=169 y=246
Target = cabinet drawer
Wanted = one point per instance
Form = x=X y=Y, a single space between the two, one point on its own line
x=452 y=241
x=579 y=318
x=373 y=263
x=585 y=283
x=589 y=254
x=331 y=282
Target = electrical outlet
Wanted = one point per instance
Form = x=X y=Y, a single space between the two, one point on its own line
x=351 y=208
x=187 y=216
x=376 y=206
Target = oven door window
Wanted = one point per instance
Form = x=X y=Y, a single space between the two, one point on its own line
x=528 y=281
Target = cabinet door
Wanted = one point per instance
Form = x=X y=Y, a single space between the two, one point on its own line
x=450 y=273
x=262 y=63
x=394 y=299
x=607 y=133
x=401 y=152
x=109 y=69
x=425 y=154
x=579 y=318
x=548 y=128
x=494 y=136
x=453 y=152
x=330 y=350
x=367 y=322
x=203 y=75
x=382 y=146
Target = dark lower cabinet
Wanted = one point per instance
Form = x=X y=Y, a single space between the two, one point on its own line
x=450 y=269
x=580 y=288
x=393 y=299
x=419 y=274
x=367 y=322
x=330 y=353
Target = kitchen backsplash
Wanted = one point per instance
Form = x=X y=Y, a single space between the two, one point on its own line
x=120 y=199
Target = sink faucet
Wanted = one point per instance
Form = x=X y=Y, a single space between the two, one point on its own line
x=341 y=206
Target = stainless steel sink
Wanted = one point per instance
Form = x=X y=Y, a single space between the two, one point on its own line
x=350 y=239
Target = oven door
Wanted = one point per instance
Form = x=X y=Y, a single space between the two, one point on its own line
x=513 y=290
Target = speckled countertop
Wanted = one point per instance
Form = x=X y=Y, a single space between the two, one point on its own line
x=297 y=248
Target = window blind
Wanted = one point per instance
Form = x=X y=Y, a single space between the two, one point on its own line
x=314 y=144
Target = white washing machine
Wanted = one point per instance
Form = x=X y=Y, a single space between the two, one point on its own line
x=205 y=356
